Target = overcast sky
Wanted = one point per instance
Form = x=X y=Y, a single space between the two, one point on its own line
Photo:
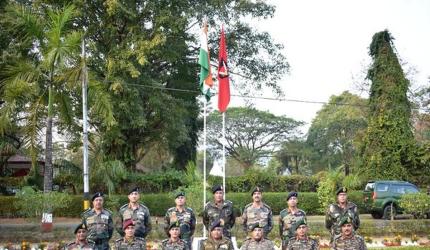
x=326 y=44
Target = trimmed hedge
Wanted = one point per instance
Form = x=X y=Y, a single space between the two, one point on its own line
x=159 y=203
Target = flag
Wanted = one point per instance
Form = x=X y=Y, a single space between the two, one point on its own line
x=223 y=77
x=205 y=66
x=216 y=169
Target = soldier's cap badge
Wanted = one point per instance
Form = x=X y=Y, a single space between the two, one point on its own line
x=217 y=188
x=292 y=194
x=256 y=189
x=80 y=226
x=96 y=195
x=215 y=224
x=174 y=224
x=341 y=190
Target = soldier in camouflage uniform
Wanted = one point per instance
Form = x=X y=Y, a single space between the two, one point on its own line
x=136 y=212
x=216 y=239
x=184 y=215
x=257 y=212
x=348 y=240
x=174 y=242
x=99 y=223
x=257 y=240
x=129 y=241
x=81 y=242
x=288 y=218
x=218 y=209
x=336 y=211
x=302 y=241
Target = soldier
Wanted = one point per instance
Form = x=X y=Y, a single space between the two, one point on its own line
x=174 y=242
x=257 y=212
x=288 y=217
x=129 y=241
x=348 y=240
x=137 y=212
x=302 y=241
x=257 y=240
x=99 y=223
x=184 y=215
x=336 y=211
x=219 y=209
x=80 y=242
x=216 y=239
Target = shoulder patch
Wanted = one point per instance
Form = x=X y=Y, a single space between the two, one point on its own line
x=118 y=240
x=123 y=206
x=264 y=204
x=107 y=210
x=190 y=209
x=248 y=205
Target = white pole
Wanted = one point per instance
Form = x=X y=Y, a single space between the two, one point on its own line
x=223 y=152
x=204 y=160
x=85 y=129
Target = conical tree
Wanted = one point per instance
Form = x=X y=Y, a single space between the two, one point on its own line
x=387 y=151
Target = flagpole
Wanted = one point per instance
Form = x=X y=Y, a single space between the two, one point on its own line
x=223 y=152
x=204 y=160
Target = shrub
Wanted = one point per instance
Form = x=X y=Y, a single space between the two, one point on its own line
x=417 y=204
x=33 y=203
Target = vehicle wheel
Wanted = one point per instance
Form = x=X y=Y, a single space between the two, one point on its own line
x=376 y=215
x=388 y=212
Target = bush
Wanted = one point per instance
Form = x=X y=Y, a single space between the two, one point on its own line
x=33 y=203
x=417 y=204
x=159 y=203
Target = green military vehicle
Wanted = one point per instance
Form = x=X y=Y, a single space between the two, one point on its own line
x=381 y=198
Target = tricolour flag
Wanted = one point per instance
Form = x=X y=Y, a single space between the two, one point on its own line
x=223 y=77
x=205 y=66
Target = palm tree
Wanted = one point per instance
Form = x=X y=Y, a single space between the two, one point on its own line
x=44 y=77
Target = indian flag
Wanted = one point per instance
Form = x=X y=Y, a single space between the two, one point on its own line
x=205 y=67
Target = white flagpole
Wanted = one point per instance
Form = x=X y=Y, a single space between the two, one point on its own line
x=223 y=152
x=204 y=160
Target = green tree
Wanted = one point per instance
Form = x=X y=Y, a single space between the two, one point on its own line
x=294 y=155
x=388 y=150
x=41 y=76
x=250 y=134
x=336 y=131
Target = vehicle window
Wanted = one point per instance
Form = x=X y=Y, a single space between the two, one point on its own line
x=399 y=189
x=369 y=186
x=382 y=187
x=411 y=189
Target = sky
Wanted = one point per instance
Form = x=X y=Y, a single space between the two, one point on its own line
x=326 y=44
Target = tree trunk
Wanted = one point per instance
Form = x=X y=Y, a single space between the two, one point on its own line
x=296 y=158
x=47 y=172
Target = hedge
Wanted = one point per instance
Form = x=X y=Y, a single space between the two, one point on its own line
x=159 y=203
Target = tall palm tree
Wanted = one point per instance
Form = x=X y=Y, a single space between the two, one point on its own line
x=44 y=79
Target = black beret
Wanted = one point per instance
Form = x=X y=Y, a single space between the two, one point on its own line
x=292 y=194
x=98 y=194
x=217 y=188
x=80 y=226
x=215 y=223
x=135 y=189
x=174 y=224
x=341 y=190
x=256 y=189
x=180 y=193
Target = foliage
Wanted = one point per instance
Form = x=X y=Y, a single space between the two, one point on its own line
x=417 y=204
x=40 y=202
x=336 y=132
x=326 y=190
x=388 y=150
x=157 y=182
x=250 y=134
x=295 y=153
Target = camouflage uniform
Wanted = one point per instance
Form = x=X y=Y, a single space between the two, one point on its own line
x=306 y=244
x=210 y=244
x=187 y=222
x=263 y=244
x=225 y=213
x=100 y=227
x=262 y=215
x=141 y=220
x=136 y=244
x=167 y=244
x=355 y=242
x=76 y=246
x=287 y=219
x=334 y=215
